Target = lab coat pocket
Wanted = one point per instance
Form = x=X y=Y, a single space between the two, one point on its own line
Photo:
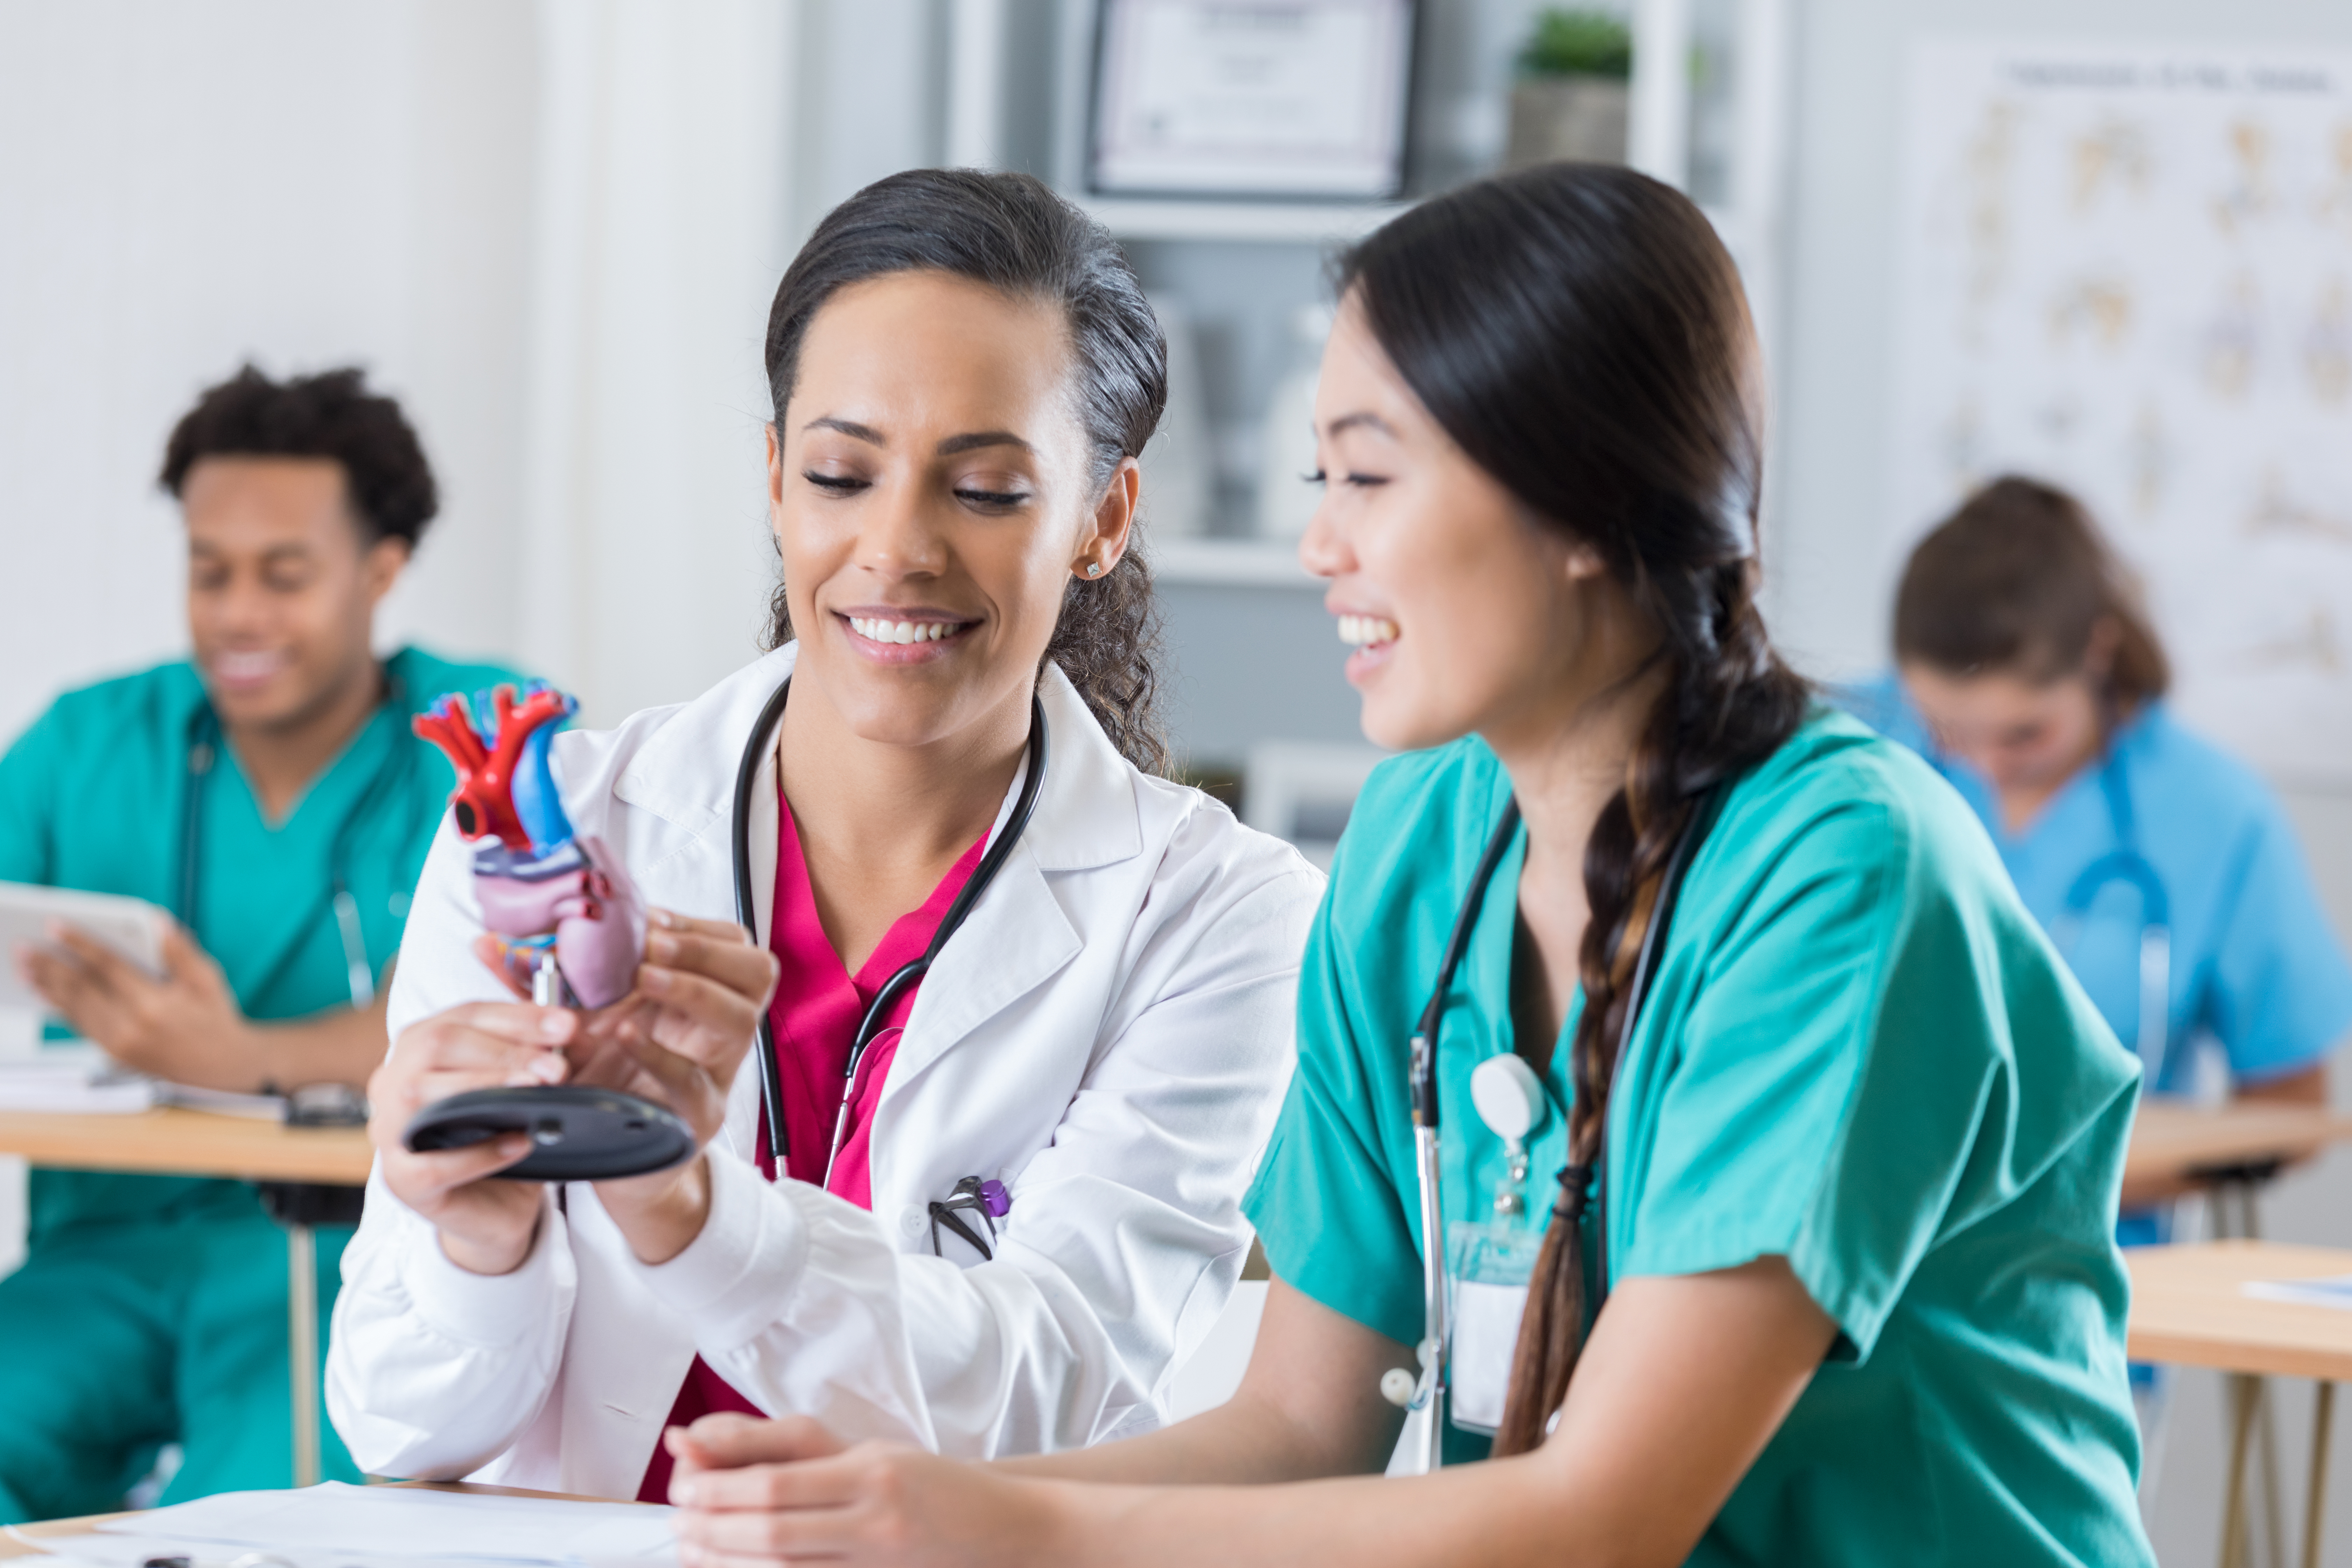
x=1487 y=1268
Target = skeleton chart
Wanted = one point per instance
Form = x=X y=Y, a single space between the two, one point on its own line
x=2129 y=272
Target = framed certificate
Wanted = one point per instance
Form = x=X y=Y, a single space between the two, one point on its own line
x=1252 y=98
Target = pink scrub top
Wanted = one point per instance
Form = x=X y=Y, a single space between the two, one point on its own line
x=815 y=1012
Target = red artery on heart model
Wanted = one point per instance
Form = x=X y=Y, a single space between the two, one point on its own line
x=545 y=893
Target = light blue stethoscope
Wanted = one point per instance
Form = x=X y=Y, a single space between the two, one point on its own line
x=2126 y=864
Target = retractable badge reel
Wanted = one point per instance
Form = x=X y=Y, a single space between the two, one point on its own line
x=563 y=911
x=1492 y=1259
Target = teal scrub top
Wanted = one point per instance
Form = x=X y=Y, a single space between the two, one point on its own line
x=1859 y=1054
x=91 y=796
x=2256 y=965
x=2257 y=970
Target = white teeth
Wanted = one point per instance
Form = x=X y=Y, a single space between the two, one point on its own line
x=242 y=665
x=901 y=631
x=1360 y=631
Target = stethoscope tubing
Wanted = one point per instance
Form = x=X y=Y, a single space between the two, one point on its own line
x=1431 y=1391
x=772 y=1082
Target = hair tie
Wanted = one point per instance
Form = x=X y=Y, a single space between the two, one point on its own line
x=1575 y=1194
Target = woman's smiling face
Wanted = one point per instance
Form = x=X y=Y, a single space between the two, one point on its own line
x=1464 y=612
x=931 y=491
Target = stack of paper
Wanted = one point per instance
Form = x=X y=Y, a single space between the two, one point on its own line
x=339 y=1526
x=75 y=1077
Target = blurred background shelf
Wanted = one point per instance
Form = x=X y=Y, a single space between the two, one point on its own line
x=1242 y=222
x=1230 y=562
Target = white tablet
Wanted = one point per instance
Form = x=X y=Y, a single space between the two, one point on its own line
x=132 y=927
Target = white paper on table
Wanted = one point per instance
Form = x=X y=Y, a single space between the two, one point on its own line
x=97 y=1550
x=75 y=1077
x=337 y=1525
x=2336 y=1291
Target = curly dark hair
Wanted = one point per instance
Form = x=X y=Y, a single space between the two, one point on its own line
x=1580 y=331
x=330 y=415
x=1014 y=233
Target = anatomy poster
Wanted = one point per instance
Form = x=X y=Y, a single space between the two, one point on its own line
x=2130 y=272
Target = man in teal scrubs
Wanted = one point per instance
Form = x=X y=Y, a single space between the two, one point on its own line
x=268 y=792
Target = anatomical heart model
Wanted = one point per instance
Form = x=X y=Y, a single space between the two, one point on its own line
x=563 y=907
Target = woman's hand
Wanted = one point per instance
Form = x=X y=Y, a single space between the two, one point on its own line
x=678 y=1038
x=755 y=1493
x=486 y=1226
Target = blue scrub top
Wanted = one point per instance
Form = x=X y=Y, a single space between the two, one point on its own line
x=2256 y=966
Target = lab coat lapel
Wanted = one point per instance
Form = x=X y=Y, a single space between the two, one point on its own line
x=1016 y=939
x=1019 y=935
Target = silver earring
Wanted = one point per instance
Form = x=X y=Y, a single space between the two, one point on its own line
x=1094 y=568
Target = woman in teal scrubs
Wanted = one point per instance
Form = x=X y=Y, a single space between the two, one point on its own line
x=2034 y=681
x=1827 y=1276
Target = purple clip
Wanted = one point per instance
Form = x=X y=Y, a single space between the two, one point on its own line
x=995 y=1199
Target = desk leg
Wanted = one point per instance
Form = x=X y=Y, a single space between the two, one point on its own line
x=302 y=1349
x=2242 y=1394
x=2235 y=1211
x=2323 y=1408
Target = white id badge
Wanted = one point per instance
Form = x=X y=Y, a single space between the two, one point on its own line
x=1488 y=1268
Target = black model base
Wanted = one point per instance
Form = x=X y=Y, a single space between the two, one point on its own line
x=577 y=1134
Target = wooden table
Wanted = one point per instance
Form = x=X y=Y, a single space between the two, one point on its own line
x=174 y=1140
x=2189 y=1309
x=2244 y=1141
x=179 y=1142
x=18 y=1548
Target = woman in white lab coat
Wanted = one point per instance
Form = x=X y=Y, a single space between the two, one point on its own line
x=963 y=370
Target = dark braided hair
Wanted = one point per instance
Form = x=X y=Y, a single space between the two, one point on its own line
x=1579 y=331
x=1014 y=234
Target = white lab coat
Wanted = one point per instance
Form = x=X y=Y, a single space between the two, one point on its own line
x=1110 y=1033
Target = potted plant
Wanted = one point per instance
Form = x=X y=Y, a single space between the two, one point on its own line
x=1573 y=93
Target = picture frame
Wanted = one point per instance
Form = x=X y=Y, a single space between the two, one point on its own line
x=1267 y=99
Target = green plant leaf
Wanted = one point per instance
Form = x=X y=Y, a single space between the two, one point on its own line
x=1578 y=43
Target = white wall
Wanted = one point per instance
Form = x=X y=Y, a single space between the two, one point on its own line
x=187 y=187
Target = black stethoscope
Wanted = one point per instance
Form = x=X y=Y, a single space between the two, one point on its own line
x=771 y=1078
x=1428 y=1391
x=205 y=744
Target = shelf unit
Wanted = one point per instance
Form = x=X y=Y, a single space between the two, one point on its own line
x=1241 y=223
x=1204 y=562
x=1246 y=627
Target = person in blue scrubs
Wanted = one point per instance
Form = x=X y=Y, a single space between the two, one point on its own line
x=244 y=789
x=2032 y=677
